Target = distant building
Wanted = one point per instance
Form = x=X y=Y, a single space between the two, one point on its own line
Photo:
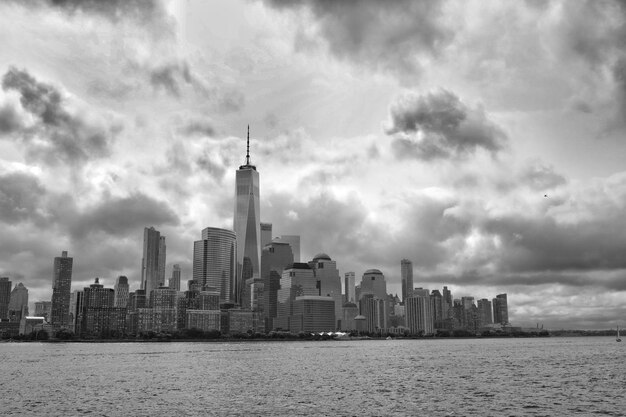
x=406 y=272
x=484 y=313
x=266 y=234
x=153 y=260
x=349 y=312
x=312 y=313
x=174 y=281
x=99 y=315
x=18 y=303
x=297 y=280
x=294 y=242
x=436 y=304
x=247 y=225
x=276 y=256
x=5 y=297
x=61 y=290
x=375 y=311
x=43 y=309
x=373 y=282
x=349 y=287
x=328 y=280
x=419 y=317
x=500 y=309
x=215 y=261
x=121 y=292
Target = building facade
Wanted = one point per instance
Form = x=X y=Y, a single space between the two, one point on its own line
x=121 y=292
x=247 y=225
x=406 y=272
x=61 y=290
x=215 y=262
x=153 y=260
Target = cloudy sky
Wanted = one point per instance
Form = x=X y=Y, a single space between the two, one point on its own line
x=483 y=140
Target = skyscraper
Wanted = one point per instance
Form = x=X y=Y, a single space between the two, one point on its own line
x=174 y=281
x=5 y=296
x=266 y=234
x=328 y=279
x=274 y=259
x=214 y=262
x=294 y=242
x=153 y=260
x=419 y=317
x=484 y=312
x=349 y=280
x=18 y=304
x=247 y=224
x=406 y=271
x=500 y=309
x=121 y=292
x=61 y=287
x=373 y=282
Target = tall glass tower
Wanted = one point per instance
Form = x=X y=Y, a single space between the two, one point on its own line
x=247 y=225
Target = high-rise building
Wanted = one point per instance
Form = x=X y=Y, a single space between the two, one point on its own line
x=406 y=271
x=500 y=309
x=121 y=292
x=214 y=262
x=373 y=282
x=436 y=304
x=294 y=242
x=313 y=313
x=5 y=297
x=61 y=290
x=153 y=260
x=174 y=281
x=297 y=280
x=266 y=234
x=375 y=311
x=348 y=284
x=328 y=280
x=418 y=311
x=275 y=257
x=484 y=312
x=18 y=304
x=43 y=309
x=247 y=225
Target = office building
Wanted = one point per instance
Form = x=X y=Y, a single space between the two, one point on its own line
x=121 y=292
x=153 y=260
x=313 y=313
x=266 y=234
x=174 y=281
x=275 y=257
x=375 y=311
x=484 y=313
x=43 y=309
x=406 y=272
x=214 y=262
x=328 y=280
x=436 y=304
x=5 y=297
x=61 y=290
x=419 y=317
x=18 y=303
x=297 y=280
x=373 y=282
x=500 y=309
x=294 y=242
x=349 y=287
x=247 y=225
x=348 y=313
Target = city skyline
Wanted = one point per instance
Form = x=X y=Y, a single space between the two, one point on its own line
x=481 y=141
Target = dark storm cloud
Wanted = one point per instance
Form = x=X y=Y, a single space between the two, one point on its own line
x=10 y=120
x=169 y=77
x=198 y=127
x=114 y=10
x=20 y=196
x=386 y=35
x=60 y=135
x=439 y=125
x=116 y=216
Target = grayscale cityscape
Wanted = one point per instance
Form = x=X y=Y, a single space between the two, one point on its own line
x=312 y=208
x=245 y=281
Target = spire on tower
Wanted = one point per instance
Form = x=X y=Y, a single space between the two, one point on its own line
x=248 y=148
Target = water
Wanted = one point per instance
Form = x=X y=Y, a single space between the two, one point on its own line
x=486 y=377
